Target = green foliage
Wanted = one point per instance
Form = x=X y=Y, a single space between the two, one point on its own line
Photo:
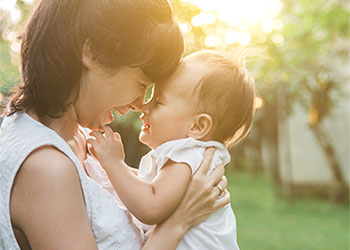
x=9 y=74
x=315 y=49
x=9 y=60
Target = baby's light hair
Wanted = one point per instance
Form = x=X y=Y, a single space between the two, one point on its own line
x=226 y=92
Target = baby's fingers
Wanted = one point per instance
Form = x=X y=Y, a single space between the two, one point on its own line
x=98 y=135
x=117 y=136
x=108 y=131
x=92 y=142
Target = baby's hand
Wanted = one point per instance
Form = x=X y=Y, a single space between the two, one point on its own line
x=107 y=148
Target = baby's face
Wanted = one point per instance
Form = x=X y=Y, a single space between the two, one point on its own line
x=169 y=115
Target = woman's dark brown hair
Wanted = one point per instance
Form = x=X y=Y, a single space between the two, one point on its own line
x=135 y=33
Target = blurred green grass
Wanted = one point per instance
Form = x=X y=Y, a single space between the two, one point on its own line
x=268 y=222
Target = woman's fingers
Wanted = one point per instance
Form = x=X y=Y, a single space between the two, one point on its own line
x=222 y=201
x=208 y=156
x=223 y=182
x=216 y=175
x=221 y=186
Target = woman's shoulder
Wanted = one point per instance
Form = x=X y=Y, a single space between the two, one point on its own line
x=45 y=174
x=46 y=168
x=47 y=193
x=48 y=160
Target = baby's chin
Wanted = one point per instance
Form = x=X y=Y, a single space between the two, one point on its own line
x=146 y=141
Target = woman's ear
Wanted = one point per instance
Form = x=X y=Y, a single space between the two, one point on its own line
x=201 y=126
x=88 y=59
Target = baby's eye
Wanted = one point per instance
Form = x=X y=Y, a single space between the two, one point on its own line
x=157 y=101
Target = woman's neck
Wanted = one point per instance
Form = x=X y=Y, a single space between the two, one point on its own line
x=66 y=126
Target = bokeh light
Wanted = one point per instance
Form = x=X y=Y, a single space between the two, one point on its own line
x=7 y=5
x=241 y=19
x=259 y=102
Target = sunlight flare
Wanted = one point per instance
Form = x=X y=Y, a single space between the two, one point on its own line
x=241 y=18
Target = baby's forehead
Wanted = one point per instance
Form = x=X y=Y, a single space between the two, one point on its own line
x=187 y=75
x=180 y=84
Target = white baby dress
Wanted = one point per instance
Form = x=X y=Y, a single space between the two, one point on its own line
x=219 y=230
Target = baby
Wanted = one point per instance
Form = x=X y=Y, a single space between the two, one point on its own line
x=208 y=102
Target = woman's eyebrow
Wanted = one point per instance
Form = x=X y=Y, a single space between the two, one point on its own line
x=144 y=84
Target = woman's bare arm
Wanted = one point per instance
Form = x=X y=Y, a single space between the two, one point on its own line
x=47 y=203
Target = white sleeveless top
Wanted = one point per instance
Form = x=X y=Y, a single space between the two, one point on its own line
x=20 y=135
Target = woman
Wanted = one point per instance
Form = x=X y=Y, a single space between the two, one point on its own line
x=80 y=60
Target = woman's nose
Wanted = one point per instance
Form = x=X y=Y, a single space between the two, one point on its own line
x=145 y=108
x=123 y=109
x=136 y=105
x=139 y=101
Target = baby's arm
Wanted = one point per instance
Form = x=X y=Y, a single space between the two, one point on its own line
x=152 y=202
x=134 y=170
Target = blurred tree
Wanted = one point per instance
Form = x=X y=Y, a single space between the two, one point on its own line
x=310 y=67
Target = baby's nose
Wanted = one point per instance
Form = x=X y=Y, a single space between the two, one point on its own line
x=145 y=108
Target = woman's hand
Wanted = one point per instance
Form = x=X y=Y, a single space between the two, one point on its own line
x=202 y=196
x=107 y=148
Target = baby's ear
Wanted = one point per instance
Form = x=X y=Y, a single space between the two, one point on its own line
x=201 y=126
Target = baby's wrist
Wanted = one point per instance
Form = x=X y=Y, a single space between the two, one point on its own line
x=112 y=163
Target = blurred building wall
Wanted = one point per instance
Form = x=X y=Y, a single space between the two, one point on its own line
x=301 y=158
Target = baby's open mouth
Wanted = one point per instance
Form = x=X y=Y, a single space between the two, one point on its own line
x=145 y=125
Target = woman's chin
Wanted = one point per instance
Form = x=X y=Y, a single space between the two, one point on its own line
x=97 y=125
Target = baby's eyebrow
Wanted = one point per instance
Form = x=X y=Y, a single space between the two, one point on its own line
x=158 y=93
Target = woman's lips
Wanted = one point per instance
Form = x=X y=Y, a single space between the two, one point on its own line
x=110 y=118
x=118 y=112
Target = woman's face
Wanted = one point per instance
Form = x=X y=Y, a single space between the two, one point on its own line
x=102 y=92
